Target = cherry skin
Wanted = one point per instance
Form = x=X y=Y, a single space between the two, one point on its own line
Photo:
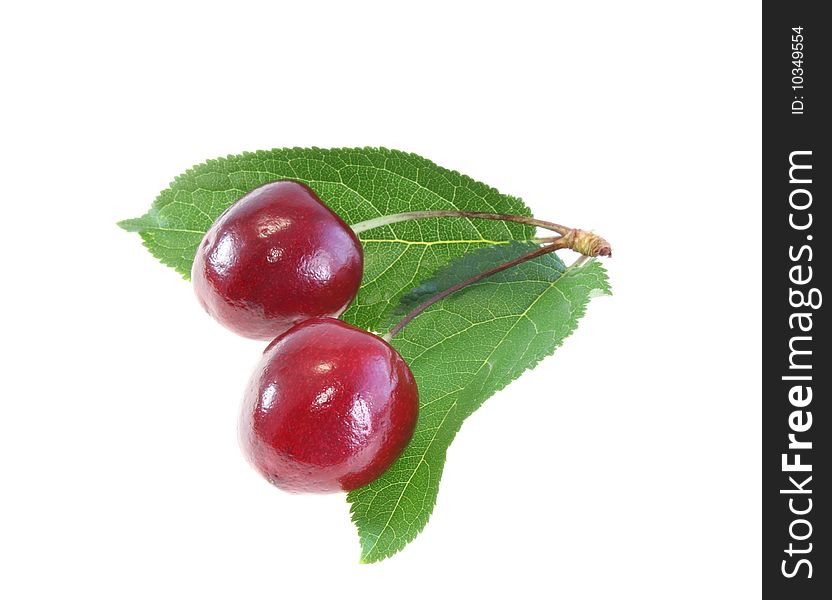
x=329 y=408
x=274 y=258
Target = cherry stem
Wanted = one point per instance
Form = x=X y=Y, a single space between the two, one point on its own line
x=427 y=214
x=557 y=244
x=583 y=242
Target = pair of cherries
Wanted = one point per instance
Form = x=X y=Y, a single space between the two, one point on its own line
x=330 y=406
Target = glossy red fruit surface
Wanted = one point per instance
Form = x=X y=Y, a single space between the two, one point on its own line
x=274 y=258
x=329 y=408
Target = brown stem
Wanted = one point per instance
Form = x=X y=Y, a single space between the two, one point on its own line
x=555 y=245
x=584 y=242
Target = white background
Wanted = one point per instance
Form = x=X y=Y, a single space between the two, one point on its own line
x=626 y=466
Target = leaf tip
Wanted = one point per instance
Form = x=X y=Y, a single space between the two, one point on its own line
x=370 y=556
x=131 y=225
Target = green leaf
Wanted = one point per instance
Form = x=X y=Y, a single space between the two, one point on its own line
x=358 y=184
x=462 y=350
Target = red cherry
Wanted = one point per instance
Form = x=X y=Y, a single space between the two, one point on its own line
x=329 y=408
x=274 y=258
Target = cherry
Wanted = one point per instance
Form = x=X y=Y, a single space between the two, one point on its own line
x=329 y=408
x=275 y=257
